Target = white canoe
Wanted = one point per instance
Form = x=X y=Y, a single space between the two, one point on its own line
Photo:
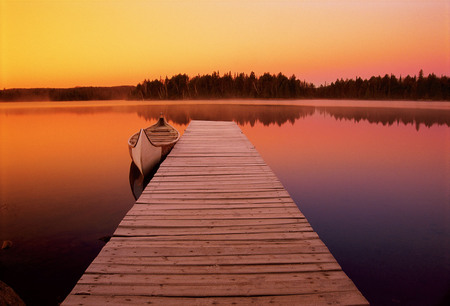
x=148 y=146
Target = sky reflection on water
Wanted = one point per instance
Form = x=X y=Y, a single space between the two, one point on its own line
x=372 y=181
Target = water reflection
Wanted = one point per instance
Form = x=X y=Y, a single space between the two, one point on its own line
x=242 y=114
x=138 y=181
x=374 y=188
x=183 y=113
x=389 y=116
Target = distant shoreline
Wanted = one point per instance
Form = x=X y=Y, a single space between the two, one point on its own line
x=218 y=100
x=201 y=100
x=243 y=86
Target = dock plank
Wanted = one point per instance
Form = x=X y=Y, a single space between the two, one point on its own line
x=350 y=297
x=214 y=226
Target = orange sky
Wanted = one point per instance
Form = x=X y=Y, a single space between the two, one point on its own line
x=103 y=43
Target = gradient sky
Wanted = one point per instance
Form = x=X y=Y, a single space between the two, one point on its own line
x=65 y=43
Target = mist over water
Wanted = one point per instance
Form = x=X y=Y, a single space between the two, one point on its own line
x=371 y=178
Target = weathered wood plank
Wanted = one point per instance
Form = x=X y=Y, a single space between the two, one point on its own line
x=225 y=168
x=236 y=236
x=217 y=205
x=256 y=287
x=218 y=195
x=150 y=222
x=227 y=182
x=252 y=259
x=218 y=216
x=261 y=200
x=350 y=297
x=263 y=280
x=177 y=215
x=218 y=162
x=230 y=178
x=100 y=268
x=197 y=188
x=202 y=205
x=140 y=229
x=288 y=211
x=275 y=243
x=123 y=250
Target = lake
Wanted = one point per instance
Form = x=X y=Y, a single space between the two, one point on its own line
x=372 y=178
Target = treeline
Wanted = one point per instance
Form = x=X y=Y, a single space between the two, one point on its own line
x=67 y=94
x=389 y=88
x=227 y=86
x=270 y=86
x=243 y=86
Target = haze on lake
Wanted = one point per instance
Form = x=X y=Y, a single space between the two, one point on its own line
x=371 y=179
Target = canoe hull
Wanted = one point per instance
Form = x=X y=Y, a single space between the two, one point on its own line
x=145 y=155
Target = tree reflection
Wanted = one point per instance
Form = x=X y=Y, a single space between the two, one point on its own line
x=280 y=114
x=252 y=113
x=241 y=114
x=389 y=116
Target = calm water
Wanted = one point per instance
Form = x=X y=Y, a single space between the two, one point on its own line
x=373 y=179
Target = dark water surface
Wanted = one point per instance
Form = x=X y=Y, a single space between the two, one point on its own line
x=373 y=179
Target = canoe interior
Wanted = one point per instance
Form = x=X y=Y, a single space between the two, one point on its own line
x=159 y=134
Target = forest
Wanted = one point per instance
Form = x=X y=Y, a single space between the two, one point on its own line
x=244 y=86
x=268 y=86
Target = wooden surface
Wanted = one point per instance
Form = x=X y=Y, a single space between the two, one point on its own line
x=214 y=227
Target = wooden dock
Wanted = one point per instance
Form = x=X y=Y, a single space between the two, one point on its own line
x=214 y=227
